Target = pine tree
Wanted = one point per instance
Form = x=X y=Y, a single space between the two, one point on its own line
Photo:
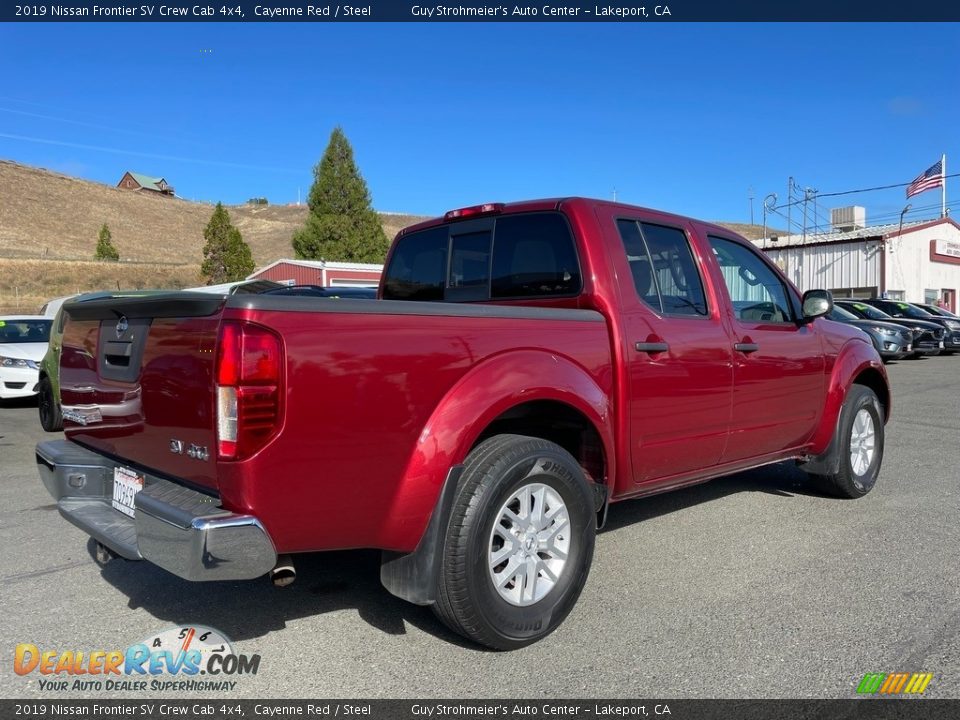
x=226 y=257
x=342 y=224
x=105 y=249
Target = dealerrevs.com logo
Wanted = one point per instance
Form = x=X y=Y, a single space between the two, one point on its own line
x=191 y=658
x=894 y=683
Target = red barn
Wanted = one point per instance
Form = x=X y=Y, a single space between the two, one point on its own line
x=320 y=272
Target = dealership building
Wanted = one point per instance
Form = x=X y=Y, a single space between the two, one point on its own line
x=916 y=261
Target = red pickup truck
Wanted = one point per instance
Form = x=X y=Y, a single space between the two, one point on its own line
x=524 y=366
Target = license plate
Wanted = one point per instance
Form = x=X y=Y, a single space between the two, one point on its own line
x=909 y=347
x=126 y=485
x=941 y=344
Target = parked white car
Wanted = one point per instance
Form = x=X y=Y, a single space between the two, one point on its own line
x=51 y=307
x=23 y=341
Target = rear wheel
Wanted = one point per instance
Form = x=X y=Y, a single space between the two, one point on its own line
x=860 y=444
x=519 y=544
x=51 y=418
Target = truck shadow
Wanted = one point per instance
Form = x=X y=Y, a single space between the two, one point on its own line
x=338 y=581
x=326 y=582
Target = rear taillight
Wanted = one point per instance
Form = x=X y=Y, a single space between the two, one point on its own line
x=249 y=388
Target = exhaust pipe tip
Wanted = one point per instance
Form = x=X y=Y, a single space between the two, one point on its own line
x=102 y=554
x=283 y=573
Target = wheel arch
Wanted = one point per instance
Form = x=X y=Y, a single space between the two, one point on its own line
x=857 y=364
x=531 y=391
x=515 y=389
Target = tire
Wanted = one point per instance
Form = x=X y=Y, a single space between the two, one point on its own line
x=502 y=477
x=860 y=442
x=51 y=418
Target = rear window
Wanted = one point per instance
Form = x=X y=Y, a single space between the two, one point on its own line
x=515 y=256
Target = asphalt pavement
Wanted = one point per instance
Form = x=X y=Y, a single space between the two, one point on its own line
x=751 y=586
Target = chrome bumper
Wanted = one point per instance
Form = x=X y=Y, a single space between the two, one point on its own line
x=179 y=529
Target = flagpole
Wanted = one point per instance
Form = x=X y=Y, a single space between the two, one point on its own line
x=943 y=186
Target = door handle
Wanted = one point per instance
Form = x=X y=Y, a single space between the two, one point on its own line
x=746 y=347
x=652 y=347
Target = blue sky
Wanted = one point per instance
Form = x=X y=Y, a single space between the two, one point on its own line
x=682 y=117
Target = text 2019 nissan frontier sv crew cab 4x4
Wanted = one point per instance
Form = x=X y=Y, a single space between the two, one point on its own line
x=524 y=366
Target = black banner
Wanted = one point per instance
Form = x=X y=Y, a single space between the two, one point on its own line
x=482 y=11
x=854 y=709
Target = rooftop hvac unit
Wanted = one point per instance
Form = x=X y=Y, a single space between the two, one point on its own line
x=848 y=218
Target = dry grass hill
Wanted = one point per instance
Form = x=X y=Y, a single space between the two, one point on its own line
x=49 y=224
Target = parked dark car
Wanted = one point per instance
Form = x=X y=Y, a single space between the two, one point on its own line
x=909 y=311
x=353 y=293
x=927 y=336
x=893 y=342
x=934 y=310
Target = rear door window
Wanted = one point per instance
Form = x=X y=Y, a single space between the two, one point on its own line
x=662 y=267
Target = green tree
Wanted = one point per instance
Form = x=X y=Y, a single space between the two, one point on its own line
x=342 y=224
x=105 y=249
x=226 y=257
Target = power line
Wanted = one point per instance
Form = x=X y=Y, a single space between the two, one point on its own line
x=853 y=192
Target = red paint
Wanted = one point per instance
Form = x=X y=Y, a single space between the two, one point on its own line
x=376 y=408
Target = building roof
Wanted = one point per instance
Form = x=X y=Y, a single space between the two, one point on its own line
x=147 y=181
x=321 y=264
x=881 y=231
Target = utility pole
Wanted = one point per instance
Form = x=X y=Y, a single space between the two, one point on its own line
x=807 y=194
x=750 y=196
x=614 y=194
x=789 y=205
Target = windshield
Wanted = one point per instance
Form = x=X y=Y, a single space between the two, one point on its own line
x=911 y=311
x=868 y=311
x=942 y=312
x=25 y=331
x=838 y=313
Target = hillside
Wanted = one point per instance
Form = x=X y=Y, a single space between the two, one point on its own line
x=47 y=215
x=49 y=224
x=751 y=232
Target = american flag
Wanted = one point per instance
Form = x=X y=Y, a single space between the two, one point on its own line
x=930 y=178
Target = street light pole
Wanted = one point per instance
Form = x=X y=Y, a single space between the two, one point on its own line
x=769 y=202
x=883 y=290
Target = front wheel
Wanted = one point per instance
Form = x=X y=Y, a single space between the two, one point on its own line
x=860 y=444
x=519 y=544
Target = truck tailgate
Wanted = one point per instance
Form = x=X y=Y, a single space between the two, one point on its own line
x=136 y=381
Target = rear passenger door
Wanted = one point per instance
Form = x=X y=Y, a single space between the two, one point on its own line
x=678 y=352
x=778 y=381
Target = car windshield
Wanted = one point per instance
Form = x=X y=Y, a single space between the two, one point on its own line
x=15 y=330
x=942 y=312
x=867 y=311
x=838 y=313
x=910 y=311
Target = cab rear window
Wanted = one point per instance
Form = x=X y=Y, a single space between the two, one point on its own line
x=514 y=256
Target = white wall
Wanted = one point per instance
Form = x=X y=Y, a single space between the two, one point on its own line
x=837 y=265
x=909 y=267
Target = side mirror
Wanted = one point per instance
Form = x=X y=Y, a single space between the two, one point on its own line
x=816 y=303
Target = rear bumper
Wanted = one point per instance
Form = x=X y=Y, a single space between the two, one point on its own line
x=179 y=529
